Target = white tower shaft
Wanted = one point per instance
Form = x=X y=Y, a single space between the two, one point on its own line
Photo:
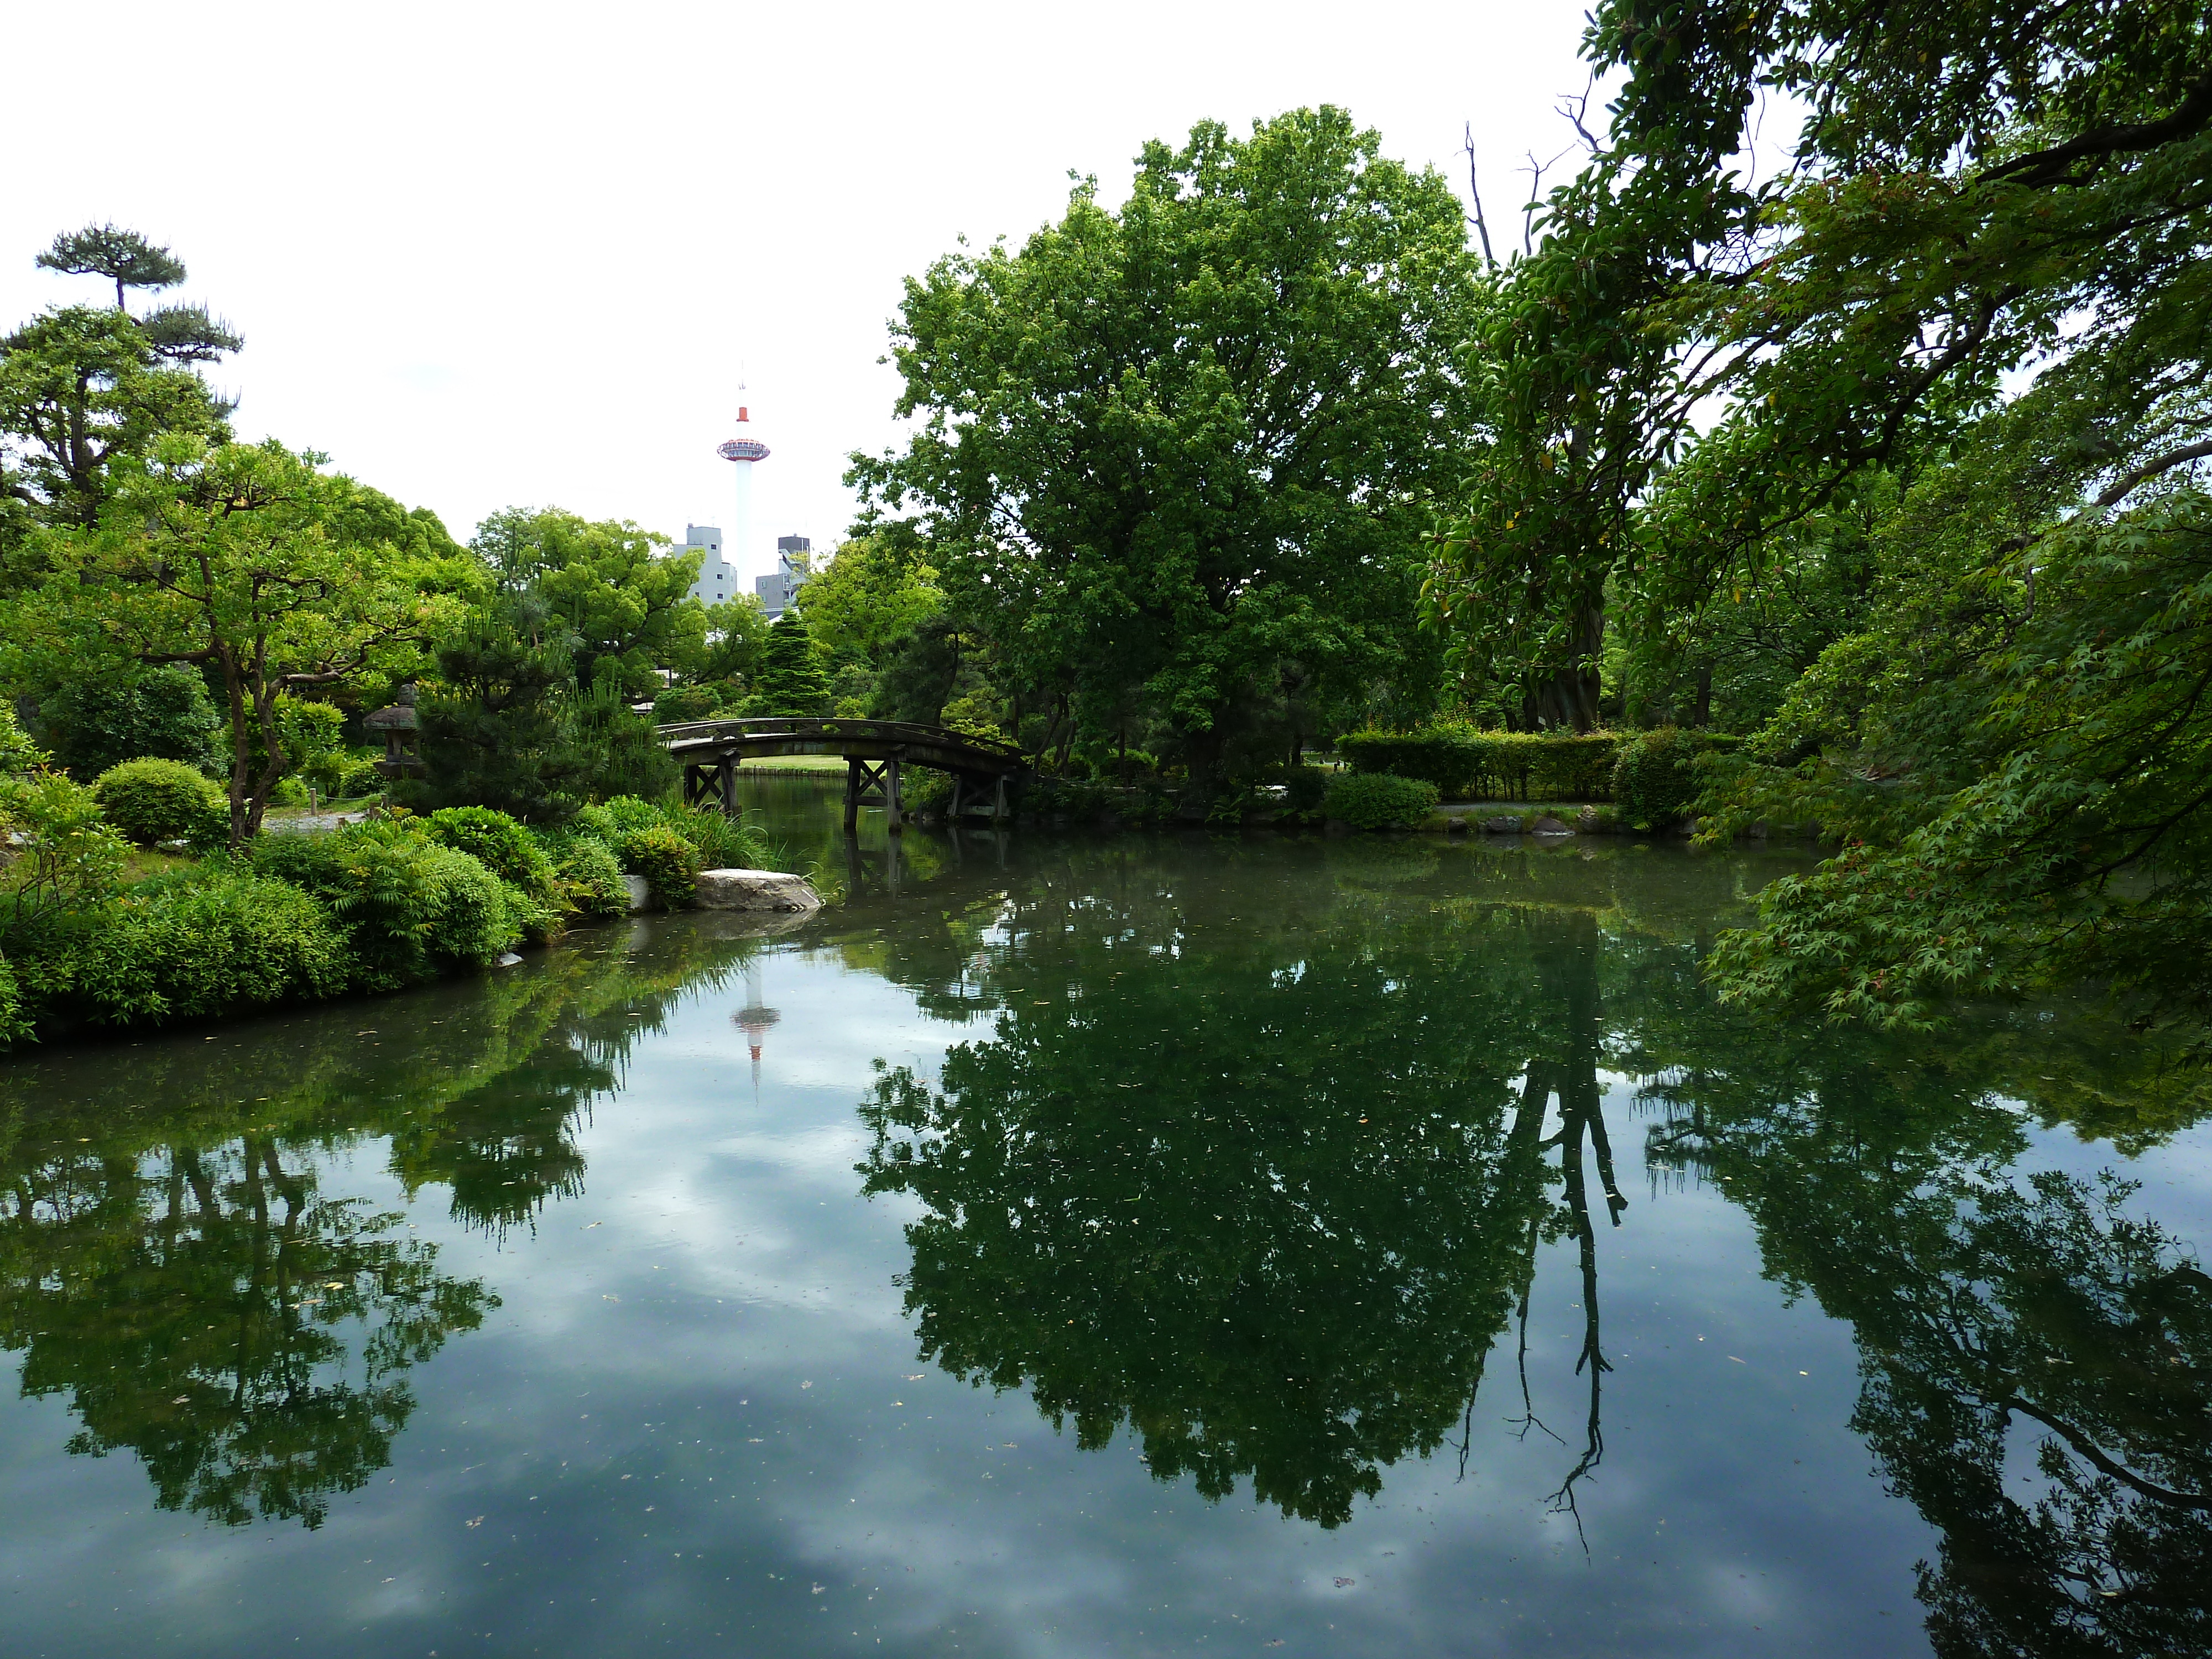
x=740 y=542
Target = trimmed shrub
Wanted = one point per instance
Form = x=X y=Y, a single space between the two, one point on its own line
x=1376 y=800
x=1304 y=788
x=150 y=800
x=590 y=876
x=1550 y=766
x=58 y=854
x=499 y=844
x=668 y=863
x=411 y=908
x=1656 y=777
x=611 y=820
x=1449 y=757
x=358 y=778
x=679 y=703
x=213 y=940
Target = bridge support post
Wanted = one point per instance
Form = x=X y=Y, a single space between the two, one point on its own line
x=878 y=784
x=729 y=771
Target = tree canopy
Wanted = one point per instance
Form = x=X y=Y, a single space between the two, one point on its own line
x=1170 y=458
x=1888 y=459
x=223 y=558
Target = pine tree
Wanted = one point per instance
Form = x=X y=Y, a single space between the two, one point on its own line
x=790 y=682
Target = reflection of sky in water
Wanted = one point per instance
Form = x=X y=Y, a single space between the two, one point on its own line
x=697 y=1424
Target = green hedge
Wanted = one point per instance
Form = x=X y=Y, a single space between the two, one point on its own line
x=1465 y=763
x=722 y=842
x=1375 y=800
x=1450 y=758
x=369 y=907
x=359 y=778
x=590 y=875
x=500 y=843
x=669 y=864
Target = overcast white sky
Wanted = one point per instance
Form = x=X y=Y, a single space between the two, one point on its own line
x=486 y=254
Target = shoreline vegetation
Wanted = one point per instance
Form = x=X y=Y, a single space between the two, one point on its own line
x=128 y=909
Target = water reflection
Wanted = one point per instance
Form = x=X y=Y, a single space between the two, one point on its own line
x=209 y=1308
x=1255 y=1152
x=2036 y=1356
x=1264 y=1189
x=171 y=1263
x=1267 y=1188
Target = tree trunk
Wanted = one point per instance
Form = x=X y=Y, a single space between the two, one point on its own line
x=1568 y=699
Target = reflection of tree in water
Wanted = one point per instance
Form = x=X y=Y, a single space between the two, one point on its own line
x=1150 y=1196
x=2036 y=1364
x=1267 y=1197
x=213 y=1311
x=1568 y=980
x=170 y=1261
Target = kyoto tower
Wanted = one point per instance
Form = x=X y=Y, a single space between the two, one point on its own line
x=755 y=1018
x=742 y=450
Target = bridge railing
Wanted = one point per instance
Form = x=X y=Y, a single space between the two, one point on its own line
x=831 y=732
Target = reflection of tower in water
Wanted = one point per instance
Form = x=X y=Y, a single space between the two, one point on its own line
x=754 y=1018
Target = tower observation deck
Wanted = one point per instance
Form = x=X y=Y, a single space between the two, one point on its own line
x=742 y=452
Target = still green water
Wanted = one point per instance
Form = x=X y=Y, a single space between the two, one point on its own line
x=1126 y=1246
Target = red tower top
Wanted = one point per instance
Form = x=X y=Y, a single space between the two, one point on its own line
x=742 y=449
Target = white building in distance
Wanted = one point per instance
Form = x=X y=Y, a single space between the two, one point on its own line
x=718 y=577
x=794 y=563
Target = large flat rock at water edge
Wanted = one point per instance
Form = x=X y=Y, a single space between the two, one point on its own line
x=755 y=890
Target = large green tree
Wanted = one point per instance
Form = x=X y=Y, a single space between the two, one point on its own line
x=567 y=621
x=80 y=386
x=1166 y=451
x=876 y=590
x=497 y=726
x=224 y=559
x=1980 y=286
x=627 y=599
x=2014 y=743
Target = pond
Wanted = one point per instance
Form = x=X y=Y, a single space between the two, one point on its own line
x=1074 y=1245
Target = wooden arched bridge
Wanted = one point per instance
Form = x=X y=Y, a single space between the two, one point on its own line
x=875 y=751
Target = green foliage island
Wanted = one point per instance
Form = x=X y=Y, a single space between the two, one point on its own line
x=1861 y=495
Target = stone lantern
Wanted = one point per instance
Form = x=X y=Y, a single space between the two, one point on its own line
x=397 y=724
